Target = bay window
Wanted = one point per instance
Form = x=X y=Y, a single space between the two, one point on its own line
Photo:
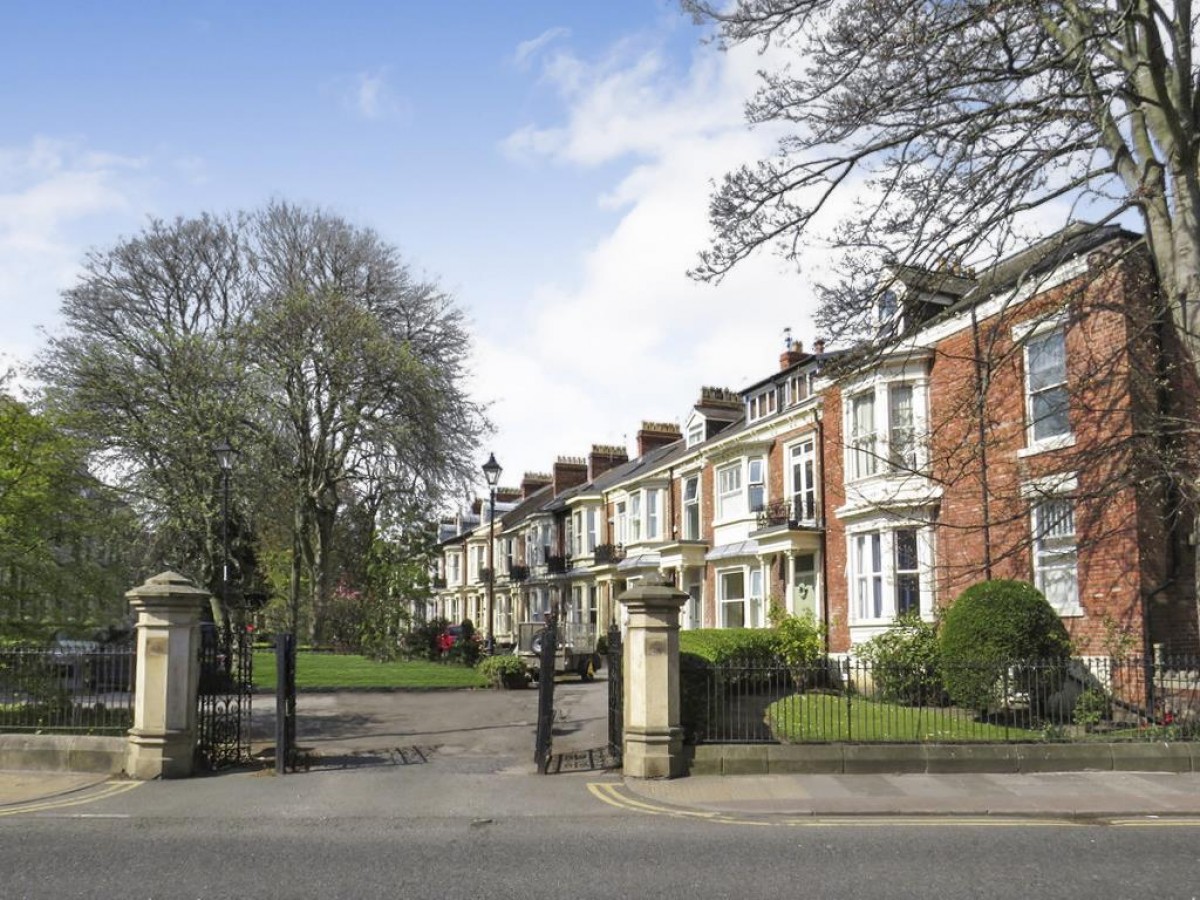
x=885 y=574
x=863 y=461
x=691 y=508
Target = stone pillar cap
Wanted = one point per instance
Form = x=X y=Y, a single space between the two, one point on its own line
x=166 y=585
x=653 y=589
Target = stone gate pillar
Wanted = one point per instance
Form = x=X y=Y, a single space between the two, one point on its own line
x=653 y=739
x=162 y=742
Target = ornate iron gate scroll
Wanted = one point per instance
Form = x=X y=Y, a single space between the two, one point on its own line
x=223 y=705
x=616 y=695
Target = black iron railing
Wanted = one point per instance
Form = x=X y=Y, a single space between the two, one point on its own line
x=518 y=573
x=606 y=554
x=78 y=687
x=785 y=512
x=438 y=582
x=838 y=700
x=487 y=576
x=616 y=695
x=556 y=565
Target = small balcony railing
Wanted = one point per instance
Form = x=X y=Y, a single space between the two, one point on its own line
x=606 y=554
x=518 y=573
x=438 y=582
x=556 y=565
x=487 y=576
x=785 y=512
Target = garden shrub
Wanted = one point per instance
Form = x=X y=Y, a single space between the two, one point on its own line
x=988 y=632
x=721 y=645
x=799 y=643
x=1092 y=707
x=904 y=663
x=503 y=671
x=421 y=642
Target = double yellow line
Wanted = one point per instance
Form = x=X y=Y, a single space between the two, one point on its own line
x=102 y=792
x=615 y=795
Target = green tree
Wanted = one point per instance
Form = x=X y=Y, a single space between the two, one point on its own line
x=65 y=543
x=303 y=340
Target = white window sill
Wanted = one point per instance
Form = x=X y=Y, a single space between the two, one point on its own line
x=1058 y=442
x=1071 y=612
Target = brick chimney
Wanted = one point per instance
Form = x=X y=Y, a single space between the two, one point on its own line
x=534 y=482
x=508 y=494
x=793 y=351
x=719 y=398
x=569 y=472
x=604 y=457
x=819 y=346
x=656 y=434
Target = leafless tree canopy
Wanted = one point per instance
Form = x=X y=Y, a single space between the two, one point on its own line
x=964 y=117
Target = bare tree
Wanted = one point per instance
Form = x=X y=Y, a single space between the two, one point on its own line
x=964 y=117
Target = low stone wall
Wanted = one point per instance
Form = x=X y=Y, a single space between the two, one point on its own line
x=880 y=759
x=63 y=753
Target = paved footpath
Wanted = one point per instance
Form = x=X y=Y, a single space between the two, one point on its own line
x=478 y=745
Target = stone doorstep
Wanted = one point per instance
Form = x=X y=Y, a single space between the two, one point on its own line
x=893 y=759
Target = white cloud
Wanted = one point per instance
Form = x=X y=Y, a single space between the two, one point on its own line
x=369 y=96
x=527 y=50
x=49 y=192
x=635 y=338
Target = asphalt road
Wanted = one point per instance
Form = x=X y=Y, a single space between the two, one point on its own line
x=591 y=853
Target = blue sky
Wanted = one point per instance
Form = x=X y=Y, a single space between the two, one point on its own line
x=547 y=162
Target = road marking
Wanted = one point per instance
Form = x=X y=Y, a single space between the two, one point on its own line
x=103 y=792
x=615 y=795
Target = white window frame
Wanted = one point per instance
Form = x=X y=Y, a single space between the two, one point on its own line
x=1055 y=556
x=902 y=436
x=635 y=517
x=653 y=504
x=622 y=519
x=731 y=497
x=811 y=584
x=803 y=453
x=876 y=579
x=592 y=521
x=861 y=445
x=725 y=602
x=691 y=508
x=695 y=434
x=756 y=484
x=1030 y=333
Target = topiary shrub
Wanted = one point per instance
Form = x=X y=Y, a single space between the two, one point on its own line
x=904 y=663
x=989 y=637
x=503 y=671
x=723 y=645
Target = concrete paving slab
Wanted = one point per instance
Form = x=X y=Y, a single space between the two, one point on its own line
x=20 y=787
x=1065 y=795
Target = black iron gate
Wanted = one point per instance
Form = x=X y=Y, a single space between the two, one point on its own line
x=545 y=720
x=223 y=705
x=616 y=695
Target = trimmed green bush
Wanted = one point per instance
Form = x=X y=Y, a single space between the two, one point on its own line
x=721 y=645
x=905 y=661
x=989 y=630
x=503 y=671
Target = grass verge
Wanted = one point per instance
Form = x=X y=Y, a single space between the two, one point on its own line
x=825 y=717
x=340 y=671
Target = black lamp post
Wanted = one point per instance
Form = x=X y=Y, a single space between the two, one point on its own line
x=491 y=471
x=226 y=456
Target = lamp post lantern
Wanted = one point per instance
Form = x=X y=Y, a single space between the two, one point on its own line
x=226 y=456
x=491 y=471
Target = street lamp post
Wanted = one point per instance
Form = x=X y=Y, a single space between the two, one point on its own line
x=491 y=471
x=225 y=458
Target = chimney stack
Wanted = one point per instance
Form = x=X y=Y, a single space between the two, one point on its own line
x=569 y=472
x=534 y=482
x=653 y=435
x=819 y=346
x=793 y=351
x=604 y=457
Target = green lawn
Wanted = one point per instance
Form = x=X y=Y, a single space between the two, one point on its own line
x=336 y=671
x=824 y=717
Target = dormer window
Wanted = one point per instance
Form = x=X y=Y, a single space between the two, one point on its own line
x=761 y=405
x=888 y=320
x=797 y=389
x=695 y=434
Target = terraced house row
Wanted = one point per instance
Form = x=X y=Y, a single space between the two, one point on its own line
x=1033 y=422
